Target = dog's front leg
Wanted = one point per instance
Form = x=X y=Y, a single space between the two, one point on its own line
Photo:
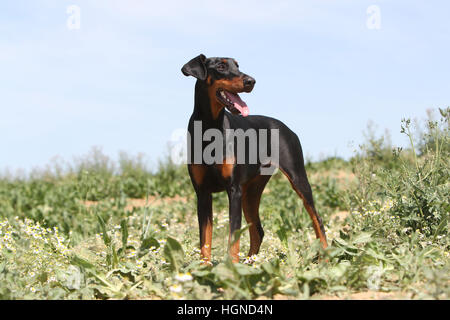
x=205 y=221
x=235 y=198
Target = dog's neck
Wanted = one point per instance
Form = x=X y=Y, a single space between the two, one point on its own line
x=202 y=108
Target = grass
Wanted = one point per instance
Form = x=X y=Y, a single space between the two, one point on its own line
x=78 y=231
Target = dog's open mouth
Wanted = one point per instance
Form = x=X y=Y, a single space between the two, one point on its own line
x=232 y=102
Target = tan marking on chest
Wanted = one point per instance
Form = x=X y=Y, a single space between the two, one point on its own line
x=226 y=169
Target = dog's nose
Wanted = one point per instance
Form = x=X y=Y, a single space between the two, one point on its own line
x=249 y=82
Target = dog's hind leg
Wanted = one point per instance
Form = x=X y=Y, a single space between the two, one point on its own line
x=293 y=167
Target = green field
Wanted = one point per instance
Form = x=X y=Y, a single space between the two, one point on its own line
x=102 y=229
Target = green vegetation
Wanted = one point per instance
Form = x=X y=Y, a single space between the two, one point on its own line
x=78 y=232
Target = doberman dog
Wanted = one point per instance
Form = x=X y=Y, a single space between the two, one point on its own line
x=219 y=81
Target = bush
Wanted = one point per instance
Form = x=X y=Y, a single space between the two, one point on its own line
x=419 y=188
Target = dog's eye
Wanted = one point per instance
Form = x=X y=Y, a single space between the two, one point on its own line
x=221 y=67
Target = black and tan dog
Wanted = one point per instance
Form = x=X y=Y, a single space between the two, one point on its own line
x=218 y=83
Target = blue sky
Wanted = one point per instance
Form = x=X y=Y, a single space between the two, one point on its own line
x=116 y=81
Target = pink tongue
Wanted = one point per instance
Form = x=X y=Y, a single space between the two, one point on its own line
x=240 y=105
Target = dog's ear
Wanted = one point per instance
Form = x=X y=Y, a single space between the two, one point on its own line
x=196 y=68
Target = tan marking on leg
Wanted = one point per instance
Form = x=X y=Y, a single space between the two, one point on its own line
x=316 y=225
x=233 y=250
x=312 y=214
x=198 y=173
x=206 y=242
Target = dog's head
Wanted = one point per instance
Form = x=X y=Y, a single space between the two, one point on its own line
x=224 y=81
